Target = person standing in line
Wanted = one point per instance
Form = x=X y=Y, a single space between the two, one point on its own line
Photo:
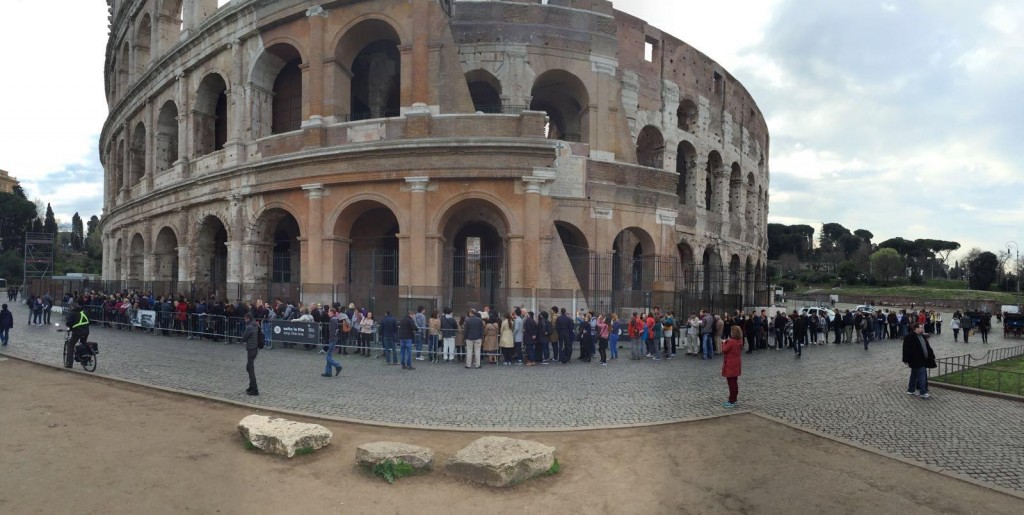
x=938 y=323
x=506 y=341
x=490 y=344
x=406 y=332
x=919 y=356
x=388 y=335
x=966 y=324
x=449 y=328
x=420 y=320
x=517 y=335
x=366 y=327
x=250 y=340
x=530 y=349
x=954 y=324
x=732 y=353
x=47 y=308
x=434 y=337
x=613 y=336
x=634 y=330
x=716 y=334
x=564 y=327
x=707 y=326
x=6 y=324
x=603 y=330
x=692 y=335
x=473 y=332
x=332 y=341
x=983 y=327
x=551 y=351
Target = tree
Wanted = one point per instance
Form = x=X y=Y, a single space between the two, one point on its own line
x=830 y=234
x=848 y=272
x=49 y=223
x=982 y=270
x=77 y=232
x=93 y=245
x=865 y=235
x=16 y=216
x=37 y=225
x=92 y=225
x=886 y=264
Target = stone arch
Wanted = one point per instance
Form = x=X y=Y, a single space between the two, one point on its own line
x=116 y=262
x=143 y=41
x=166 y=137
x=686 y=167
x=278 y=71
x=369 y=50
x=137 y=258
x=751 y=214
x=277 y=234
x=748 y=281
x=564 y=97
x=650 y=147
x=576 y=247
x=211 y=115
x=712 y=194
x=485 y=90
x=474 y=231
x=714 y=274
x=632 y=264
x=687 y=267
x=210 y=250
x=686 y=115
x=137 y=156
x=169 y=23
x=165 y=259
x=735 y=189
x=371 y=266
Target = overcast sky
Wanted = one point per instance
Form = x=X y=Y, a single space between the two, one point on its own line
x=901 y=117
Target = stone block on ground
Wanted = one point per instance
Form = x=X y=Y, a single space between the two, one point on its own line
x=370 y=454
x=499 y=461
x=280 y=436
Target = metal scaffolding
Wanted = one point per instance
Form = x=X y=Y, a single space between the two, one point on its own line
x=38 y=256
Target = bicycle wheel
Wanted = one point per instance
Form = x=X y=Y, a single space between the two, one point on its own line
x=90 y=365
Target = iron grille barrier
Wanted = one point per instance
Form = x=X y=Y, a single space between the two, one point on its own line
x=966 y=370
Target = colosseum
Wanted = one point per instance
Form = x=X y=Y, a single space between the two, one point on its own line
x=401 y=152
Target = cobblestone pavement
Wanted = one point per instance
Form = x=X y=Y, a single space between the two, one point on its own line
x=839 y=390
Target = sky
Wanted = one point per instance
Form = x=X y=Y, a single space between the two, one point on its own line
x=902 y=117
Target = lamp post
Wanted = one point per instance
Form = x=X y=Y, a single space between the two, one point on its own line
x=1016 y=262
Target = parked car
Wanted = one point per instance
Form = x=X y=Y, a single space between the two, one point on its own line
x=863 y=308
x=819 y=311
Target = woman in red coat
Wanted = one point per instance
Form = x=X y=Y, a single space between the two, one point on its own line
x=732 y=349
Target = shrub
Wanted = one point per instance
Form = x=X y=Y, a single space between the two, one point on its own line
x=391 y=470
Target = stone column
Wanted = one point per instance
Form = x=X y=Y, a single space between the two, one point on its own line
x=336 y=254
x=420 y=53
x=126 y=161
x=150 y=147
x=181 y=99
x=415 y=262
x=236 y=243
x=531 y=228
x=312 y=254
x=313 y=108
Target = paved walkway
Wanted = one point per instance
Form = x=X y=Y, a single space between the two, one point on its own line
x=843 y=391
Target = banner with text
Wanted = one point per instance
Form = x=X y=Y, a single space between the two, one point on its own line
x=295 y=332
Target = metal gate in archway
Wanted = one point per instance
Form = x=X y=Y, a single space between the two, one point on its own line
x=474 y=281
x=373 y=279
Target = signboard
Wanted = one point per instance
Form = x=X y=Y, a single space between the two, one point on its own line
x=473 y=246
x=144 y=318
x=295 y=332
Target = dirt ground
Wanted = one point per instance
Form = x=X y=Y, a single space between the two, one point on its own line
x=71 y=443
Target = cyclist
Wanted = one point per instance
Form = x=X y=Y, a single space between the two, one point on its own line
x=78 y=323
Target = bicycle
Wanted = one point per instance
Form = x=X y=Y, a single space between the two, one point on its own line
x=84 y=354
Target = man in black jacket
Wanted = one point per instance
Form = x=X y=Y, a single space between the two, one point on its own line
x=449 y=328
x=473 y=333
x=564 y=327
x=251 y=342
x=530 y=330
x=919 y=356
x=406 y=331
x=388 y=335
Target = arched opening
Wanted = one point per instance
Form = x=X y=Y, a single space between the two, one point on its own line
x=165 y=261
x=712 y=197
x=686 y=167
x=211 y=258
x=143 y=40
x=714 y=275
x=370 y=52
x=166 y=138
x=372 y=264
x=137 y=156
x=211 y=115
x=748 y=282
x=169 y=23
x=580 y=256
x=475 y=254
x=136 y=261
x=734 y=275
x=277 y=70
x=633 y=268
x=650 y=147
x=686 y=115
x=485 y=90
x=279 y=256
x=564 y=97
x=687 y=277
x=735 y=189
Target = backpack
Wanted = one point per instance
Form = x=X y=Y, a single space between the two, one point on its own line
x=346 y=326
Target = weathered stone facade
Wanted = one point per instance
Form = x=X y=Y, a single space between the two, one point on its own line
x=424 y=149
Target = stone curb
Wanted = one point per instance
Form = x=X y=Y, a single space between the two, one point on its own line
x=901 y=459
x=976 y=391
x=373 y=423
